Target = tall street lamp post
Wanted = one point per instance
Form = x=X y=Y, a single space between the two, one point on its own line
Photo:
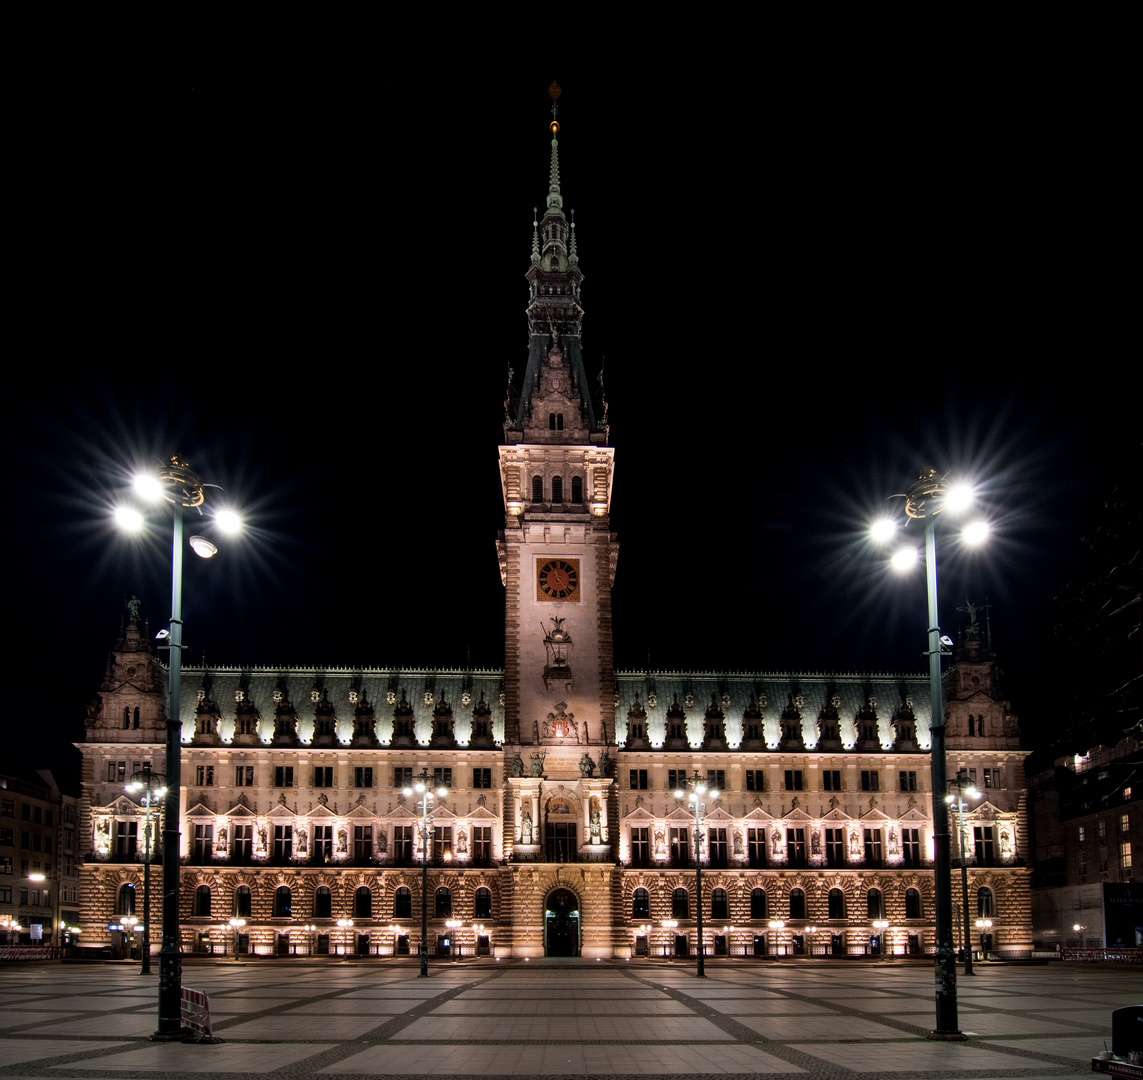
x=421 y=786
x=925 y=499
x=151 y=784
x=963 y=788
x=697 y=787
x=177 y=484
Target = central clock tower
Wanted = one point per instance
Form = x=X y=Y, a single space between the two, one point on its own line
x=557 y=554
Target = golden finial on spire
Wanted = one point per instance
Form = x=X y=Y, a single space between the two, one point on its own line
x=554 y=93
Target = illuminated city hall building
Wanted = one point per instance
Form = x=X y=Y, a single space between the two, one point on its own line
x=560 y=833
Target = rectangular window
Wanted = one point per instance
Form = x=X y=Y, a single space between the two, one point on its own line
x=203 y=842
x=1081 y=834
x=283 y=776
x=5 y=865
x=323 y=843
x=793 y=779
x=676 y=779
x=442 y=843
x=126 y=838
x=638 y=779
x=482 y=778
x=640 y=846
x=1081 y=862
x=25 y=840
x=796 y=847
x=911 y=846
x=1125 y=855
x=7 y=808
x=908 y=781
x=323 y=776
x=680 y=849
x=363 y=843
x=363 y=776
x=403 y=777
x=403 y=844
x=1101 y=828
x=442 y=778
x=755 y=779
x=38 y=815
x=243 y=775
x=1124 y=822
x=716 y=778
x=870 y=780
x=831 y=780
x=47 y=845
x=873 y=847
x=283 y=842
x=987 y=776
x=718 y=847
x=5 y=894
x=204 y=775
x=835 y=847
x=756 y=846
x=482 y=845
x=985 y=842
x=243 y=843
x=972 y=777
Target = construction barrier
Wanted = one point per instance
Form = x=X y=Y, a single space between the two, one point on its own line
x=196 y=1011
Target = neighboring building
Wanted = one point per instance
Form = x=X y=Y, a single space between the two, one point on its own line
x=31 y=837
x=1087 y=832
x=561 y=833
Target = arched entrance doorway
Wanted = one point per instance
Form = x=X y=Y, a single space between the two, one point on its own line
x=561 y=924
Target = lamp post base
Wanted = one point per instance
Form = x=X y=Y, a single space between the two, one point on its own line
x=947 y=1036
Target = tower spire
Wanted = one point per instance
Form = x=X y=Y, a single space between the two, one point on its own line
x=555 y=200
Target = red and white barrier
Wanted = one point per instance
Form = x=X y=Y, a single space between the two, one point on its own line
x=196 y=1011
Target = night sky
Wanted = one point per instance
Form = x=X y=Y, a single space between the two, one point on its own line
x=315 y=290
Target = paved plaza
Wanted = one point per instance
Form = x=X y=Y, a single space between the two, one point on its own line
x=294 y=1021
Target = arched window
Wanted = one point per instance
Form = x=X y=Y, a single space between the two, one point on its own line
x=680 y=904
x=126 y=717
x=537 y=489
x=557 y=489
x=985 y=904
x=127 y=899
x=283 y=902
x=758 y=904
x=577 y=490
x=874 y=909
x=797 y=904
x=323 y=903
x=980 y=726
x=836 y=904
x=242 y=901
x=482 y=904
x=136 y=715
x=403 y=904
x=912 y=904
x=363 y=903
x=640 y=905
x=444 y=903
x=718 y=906
x=202 y=902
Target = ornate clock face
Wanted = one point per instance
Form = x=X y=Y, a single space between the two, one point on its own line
x=557 y=579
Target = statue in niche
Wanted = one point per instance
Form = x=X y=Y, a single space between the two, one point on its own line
x=595 y=826
x=738 y=843
x=894 y=846
x=462 y=842
x=517 y=765
x=660 y=842
x=538 y=763
x=220 y=844
x=1005 y=843
x=342 y=841
x=854 y=844
x=382 y=842
x=526 y=827
x=261 y=837
x=796 y=803
x=815 y=843
x=586 y=766
x=775 y=842
x=302 y=841
x=604 y=762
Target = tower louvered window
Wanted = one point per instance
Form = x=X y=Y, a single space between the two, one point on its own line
x=557 y=489
x=537 y=489
x=577 y=490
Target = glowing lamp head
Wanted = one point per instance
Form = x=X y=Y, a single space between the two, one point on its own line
x=148 y=486
x=202 y=547
x=883 y=530
x=976 y=533
x=228 y=521
x=128 y=519
x=959 y=497
x=904 y=559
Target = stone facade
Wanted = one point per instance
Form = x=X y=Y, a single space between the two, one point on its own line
x=560 y=831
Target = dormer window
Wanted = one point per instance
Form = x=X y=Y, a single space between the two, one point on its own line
x=555 y=421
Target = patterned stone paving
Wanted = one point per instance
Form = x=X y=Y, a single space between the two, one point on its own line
x=816 y=1020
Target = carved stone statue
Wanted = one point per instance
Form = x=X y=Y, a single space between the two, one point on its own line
x=301 y=841
x=594 y=822
x=737 y=843
x=894 y=847
x=517 y=765
x=604 y=763
x=133 y=609
x=815 y=843
x=462 y=842
x=538 y=764
x=526 y=828
x=342 y=841
x=854 y=843
x=586 y=766
x=660 y=842
x=775 y=842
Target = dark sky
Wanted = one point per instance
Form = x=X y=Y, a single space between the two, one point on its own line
x=804 y=293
